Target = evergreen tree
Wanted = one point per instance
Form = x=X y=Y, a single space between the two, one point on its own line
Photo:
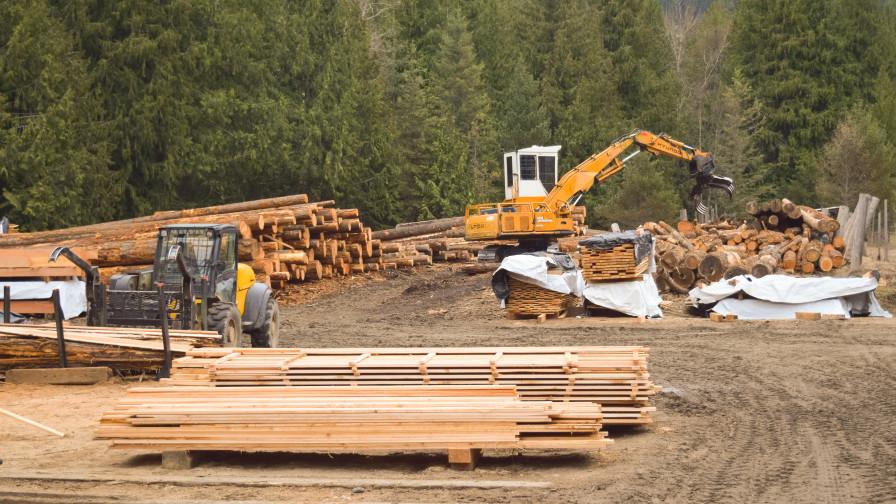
x=806 y=61
x=634 y=34
x=858 y=158
x=54 y=153
x=465 y=161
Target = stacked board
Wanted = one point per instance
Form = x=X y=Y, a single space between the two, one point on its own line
x=618 y=263
x=346 y=418
x=123 y=349
x=526 y=299
x=614 y=377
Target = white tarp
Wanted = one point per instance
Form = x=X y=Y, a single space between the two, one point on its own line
x=635 y=298
x=781 y=297
x=72 y=293
x=534 y=270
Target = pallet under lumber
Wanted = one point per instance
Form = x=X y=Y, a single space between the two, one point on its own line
x=346 y=418
x=614 y=377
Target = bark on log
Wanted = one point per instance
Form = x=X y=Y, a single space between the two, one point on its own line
x=790 y=209
x=818 y=221
x=713 y=266
x=681 y=280
x=684 y=242
x=434 y=226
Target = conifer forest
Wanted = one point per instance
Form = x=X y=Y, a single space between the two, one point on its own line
x=402 y=108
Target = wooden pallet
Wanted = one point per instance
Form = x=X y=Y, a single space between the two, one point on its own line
x=614 y=377
x=617 y=263
x=530 y=300
x=346 y=418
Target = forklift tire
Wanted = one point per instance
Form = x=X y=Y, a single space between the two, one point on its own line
x=224 y=318
x=268 y=333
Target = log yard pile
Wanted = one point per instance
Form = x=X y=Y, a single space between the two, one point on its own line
x=471 y=397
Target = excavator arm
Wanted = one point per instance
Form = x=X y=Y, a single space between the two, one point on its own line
x=533 y=222
x=603 y=165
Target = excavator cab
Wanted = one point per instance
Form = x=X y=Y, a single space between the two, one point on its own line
x=530 y=172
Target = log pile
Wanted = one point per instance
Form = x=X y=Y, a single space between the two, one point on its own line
x=781 y=236
x=123 y=349
x=285 y=239
x=443 y=241
x=614 y=377
x=345 y=418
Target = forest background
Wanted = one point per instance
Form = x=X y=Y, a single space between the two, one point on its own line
x=402 y=108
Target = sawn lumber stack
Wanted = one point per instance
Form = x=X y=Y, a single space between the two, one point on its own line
x=618 y=263
x=781 y=237
x=345 y=418
x=614 y=377
x=121 y=348
x=526 y=299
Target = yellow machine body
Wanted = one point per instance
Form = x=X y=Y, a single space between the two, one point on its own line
x=245 y=278
x=550 y=216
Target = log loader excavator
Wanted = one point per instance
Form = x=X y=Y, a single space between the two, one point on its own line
x=538 y=209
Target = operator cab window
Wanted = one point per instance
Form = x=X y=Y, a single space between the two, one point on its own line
x=224 y=289
x=547 y=171
x=508 y=168
x=527 y=167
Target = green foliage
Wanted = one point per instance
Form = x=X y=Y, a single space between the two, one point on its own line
x=858 y=158
x=643 y=193
x=806 y=61
x=403 y=107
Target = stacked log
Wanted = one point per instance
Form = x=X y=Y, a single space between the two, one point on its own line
x=780 y=236
x=285 y=240
x=443 y=241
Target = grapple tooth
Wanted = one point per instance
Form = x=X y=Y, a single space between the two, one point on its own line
x=701 y=208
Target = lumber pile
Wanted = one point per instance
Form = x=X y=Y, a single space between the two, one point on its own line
x=780 y=236
x=34 y=262
x=526 y=299
x=124 y=349
x=614 y=377
x=617 y=263
x=616 y=256
x=344 y=418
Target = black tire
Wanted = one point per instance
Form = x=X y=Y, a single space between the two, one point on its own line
x=224 y=318
x=268 y=333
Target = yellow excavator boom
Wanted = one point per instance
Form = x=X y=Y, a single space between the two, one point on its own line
x=536 y=219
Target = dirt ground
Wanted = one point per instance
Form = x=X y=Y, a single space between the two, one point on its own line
x=797 y=412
